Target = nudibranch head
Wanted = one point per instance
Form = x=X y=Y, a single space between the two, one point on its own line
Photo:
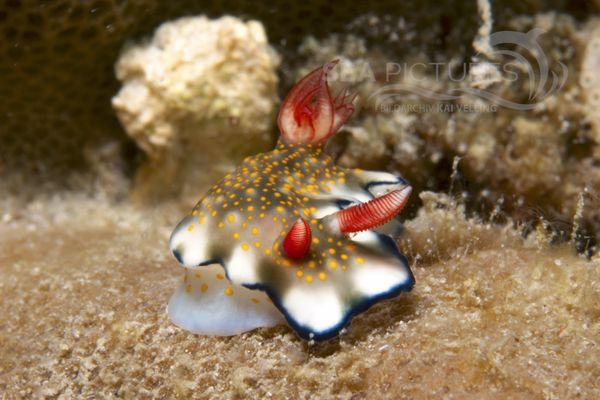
x=291 y=234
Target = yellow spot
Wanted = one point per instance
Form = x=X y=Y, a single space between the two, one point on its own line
x=204 y=288
x=194 y=213
x=360 y=260
x=254 y=231
x=300 y=274
x=322 y=276
x=221 y=224
x=190 y=228
x=255 y=300
x=257 y=245
x=220 y=277
x=197 y=274
x=250 y=191
x=309 y=278
x=332 y=264
x=188 y=288
x=267 y=251
x=280 y=209
x=250 y=208
x=343 y=256
x=201 y=220
x=236 y=235
x=312 y=264
x=228 y=291
x=213 y=213
x=245 y=246
x=332 y=251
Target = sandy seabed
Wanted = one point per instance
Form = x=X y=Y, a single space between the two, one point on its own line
x=84 y=285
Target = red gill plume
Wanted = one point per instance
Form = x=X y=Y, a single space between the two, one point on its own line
x=309 y=114
x=297 y=242
x=374 y=212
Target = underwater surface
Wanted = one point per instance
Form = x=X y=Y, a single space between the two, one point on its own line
x=117 y=117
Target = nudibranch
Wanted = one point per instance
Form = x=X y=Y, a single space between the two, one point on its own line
x=289 y=235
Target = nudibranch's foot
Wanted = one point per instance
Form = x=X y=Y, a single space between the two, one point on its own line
x=319 y=302
x=207 y=303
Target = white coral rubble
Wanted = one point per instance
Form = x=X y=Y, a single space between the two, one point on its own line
x=197 y=77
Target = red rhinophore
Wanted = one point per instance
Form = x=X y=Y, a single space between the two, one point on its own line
x=374 y=212
x=297 y=242
x=309 y=114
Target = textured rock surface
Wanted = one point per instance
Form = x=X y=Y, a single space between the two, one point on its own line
x=83 y=306
x=58 y=60
x=510 y=161
x=589 y=77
